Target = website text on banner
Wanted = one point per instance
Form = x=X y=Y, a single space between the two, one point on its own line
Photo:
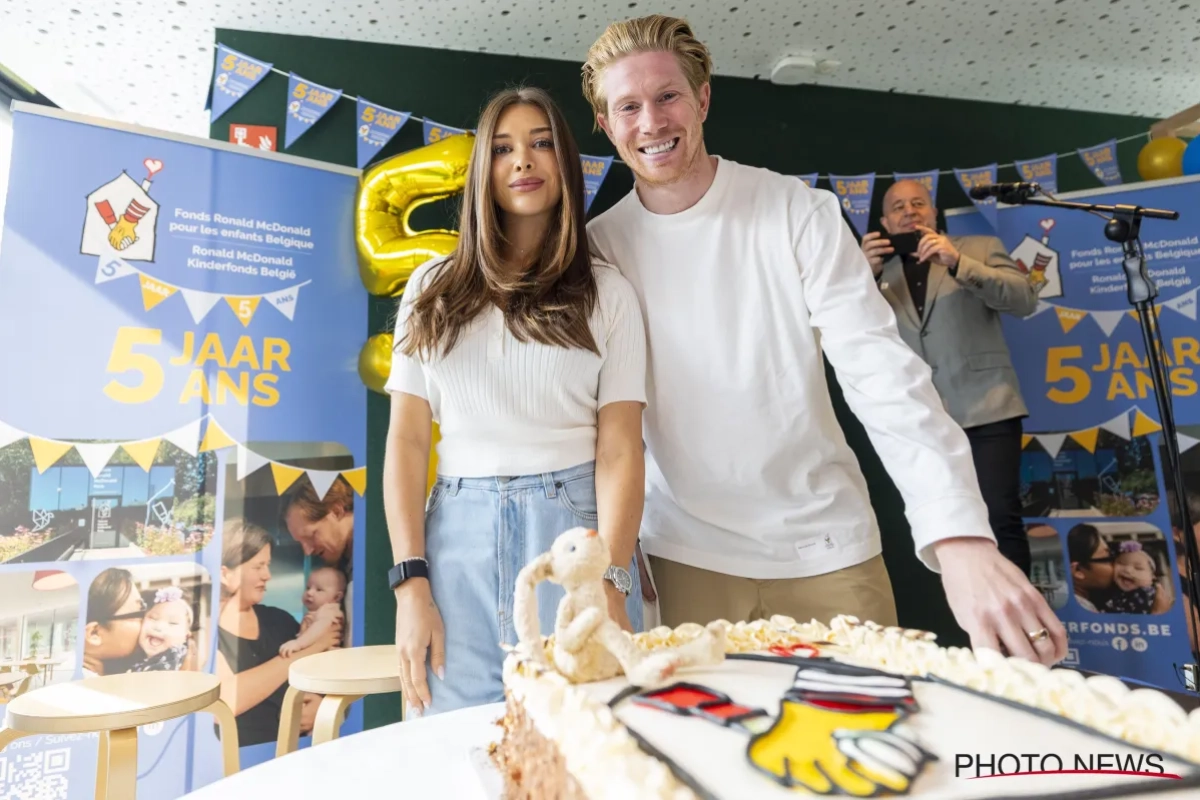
x=1107 y=552
x=182 y=456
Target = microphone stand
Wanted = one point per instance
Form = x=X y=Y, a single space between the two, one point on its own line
x=1124 y=227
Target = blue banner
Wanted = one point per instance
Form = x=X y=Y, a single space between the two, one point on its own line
x=436 y=131
x=1101 y=161
x=1092 y=469
x=810 y=180
x=854 y=192
x=979 y=176
x=234 y=76
x=182 y=324
x=929 y=179
x=595 y=170
x=307 y=103
x=376 y=127
x=1042 y=171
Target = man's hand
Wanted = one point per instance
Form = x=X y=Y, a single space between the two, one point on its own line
x=995 y=603
x=876 y=249
x=936 y=247
x=616 y=607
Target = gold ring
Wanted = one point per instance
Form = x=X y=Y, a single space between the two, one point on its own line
x=1038 y=635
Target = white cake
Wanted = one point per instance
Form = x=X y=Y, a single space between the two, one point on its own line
x=933 y=719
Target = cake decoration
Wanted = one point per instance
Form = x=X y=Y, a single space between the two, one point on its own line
x=588 y=645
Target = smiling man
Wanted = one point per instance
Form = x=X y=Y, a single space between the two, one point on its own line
x=755 y=504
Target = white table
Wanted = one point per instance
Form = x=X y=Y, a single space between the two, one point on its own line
x=422 y=757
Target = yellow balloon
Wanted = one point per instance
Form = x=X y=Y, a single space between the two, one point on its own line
x=388 y=248
x=1161 y=158
x=375 y=362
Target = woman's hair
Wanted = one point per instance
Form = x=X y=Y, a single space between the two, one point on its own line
x=1082 y=541
x=553 y=300
x=304 y=497
x=653 y=34
x=108 y=592
x=241 y=541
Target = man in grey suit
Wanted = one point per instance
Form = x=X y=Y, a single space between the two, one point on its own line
x=948 y=297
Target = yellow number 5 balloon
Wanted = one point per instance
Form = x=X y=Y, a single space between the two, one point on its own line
x=388 y=248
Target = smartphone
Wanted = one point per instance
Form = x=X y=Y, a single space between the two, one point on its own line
x=904 y=244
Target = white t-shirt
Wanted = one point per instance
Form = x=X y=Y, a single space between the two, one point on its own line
x=506 y=407
x=748 y=472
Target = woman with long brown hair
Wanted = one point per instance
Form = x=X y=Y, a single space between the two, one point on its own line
x=532 y=359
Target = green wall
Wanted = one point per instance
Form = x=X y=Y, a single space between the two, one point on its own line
x=789 y=129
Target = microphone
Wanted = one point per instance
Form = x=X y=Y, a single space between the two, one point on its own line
x=1007 y=192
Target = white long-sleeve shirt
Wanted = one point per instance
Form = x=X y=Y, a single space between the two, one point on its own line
x=506 y=407
x=748 y=472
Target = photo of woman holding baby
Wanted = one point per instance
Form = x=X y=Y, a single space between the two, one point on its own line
x=255 y=641
x=1118 y=571
x=153 y=628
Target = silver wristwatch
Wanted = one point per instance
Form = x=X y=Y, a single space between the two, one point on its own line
x=619 y=578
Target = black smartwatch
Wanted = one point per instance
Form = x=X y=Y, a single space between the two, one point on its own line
x=416 y=567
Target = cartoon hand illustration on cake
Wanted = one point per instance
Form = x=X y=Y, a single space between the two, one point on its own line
x=588 y=644
x=838 y=730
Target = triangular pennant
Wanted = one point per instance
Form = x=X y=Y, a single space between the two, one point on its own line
x=1052 y=442
x=376 y=127
x=9 y=434
x=1042 y=307
x=1186 y=442
x=109 y=268
x=284 y=476
x=199 y=303
x=1108 y=320
x=854 y=193
x=595 y=170
x=357 y=478
x=284 y=301
x=975 y=177
x=1184 y=304
x=96 y=455
x=215 y=438
x=1087 y=439
x=154 y=292
x=1025 y=440
x=186 y=438
x=928 y=179
x=142 y=453
x=1118 y=425
x=321 y=480
x=1101 y=161
x=809 y=180
x=1042 y=171
x=307 y=103
x=243 y=307
x=47 y=451
x=1068 y=318
x=436 y=131
x=1138 y=316
x=234 y=76
x=1143 y=425
x=248 y=461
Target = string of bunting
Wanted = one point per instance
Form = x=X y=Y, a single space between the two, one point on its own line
x=1119 y=425
x=1107 y=321
x=156 y=290
x=236 y=74
x=97 y=455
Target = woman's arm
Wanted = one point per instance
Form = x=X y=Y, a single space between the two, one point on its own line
x=242 y=691
x=620 y=489
x=419 y=630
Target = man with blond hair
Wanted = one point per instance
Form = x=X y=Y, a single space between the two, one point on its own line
x=755 y=504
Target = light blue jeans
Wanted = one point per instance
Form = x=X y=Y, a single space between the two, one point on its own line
x=479 y=533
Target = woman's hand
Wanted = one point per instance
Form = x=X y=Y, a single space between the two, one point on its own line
x=308 y=712
x=331 y=639
x=419 y=632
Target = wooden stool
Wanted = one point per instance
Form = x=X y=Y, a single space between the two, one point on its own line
x=114 y=706
x=342 y=676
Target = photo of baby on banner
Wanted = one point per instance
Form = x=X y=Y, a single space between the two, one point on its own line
x=286 y=577
x=148 y=618
x=1120 y=568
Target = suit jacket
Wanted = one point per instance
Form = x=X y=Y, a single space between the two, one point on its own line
x=960 y=337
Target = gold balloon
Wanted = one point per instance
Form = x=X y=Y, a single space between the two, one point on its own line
x=388 y=248
x=1161 y=158
x=375 y=362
